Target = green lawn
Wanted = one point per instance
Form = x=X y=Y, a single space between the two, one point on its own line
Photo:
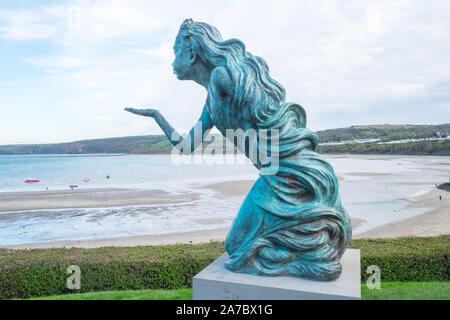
x=152 y=294
x=388 y=291
x=408 y=291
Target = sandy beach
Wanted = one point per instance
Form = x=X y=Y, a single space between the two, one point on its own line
x=85 y=198
x=433 y=217
x=88 y=198
x=435 y=221
x=153 y=240
x=226 y=188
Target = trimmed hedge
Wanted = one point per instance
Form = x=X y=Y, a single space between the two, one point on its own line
x=406 y=259
x=42 y=272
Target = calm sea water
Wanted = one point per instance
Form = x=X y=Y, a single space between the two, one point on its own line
x=58 y=172
x=373 y=188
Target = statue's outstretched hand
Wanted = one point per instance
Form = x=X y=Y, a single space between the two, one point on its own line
x=143 y=112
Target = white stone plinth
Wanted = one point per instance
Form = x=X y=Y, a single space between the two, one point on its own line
x=215 y=282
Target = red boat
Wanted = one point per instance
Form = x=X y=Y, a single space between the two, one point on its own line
x=32 y=181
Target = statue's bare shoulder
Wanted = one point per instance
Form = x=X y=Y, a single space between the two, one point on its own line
x=221 y=81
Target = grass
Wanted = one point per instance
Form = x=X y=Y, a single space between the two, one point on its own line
x=152 y=294
x=388 y=291
x=408 y=291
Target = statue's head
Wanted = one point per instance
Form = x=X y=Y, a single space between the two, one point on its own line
x=199 y=43
x=190 y=45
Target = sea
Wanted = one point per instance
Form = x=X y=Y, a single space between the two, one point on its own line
x=167 y=172
x=373 y=188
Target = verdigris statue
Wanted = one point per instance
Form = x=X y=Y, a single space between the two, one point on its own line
x=291 y=223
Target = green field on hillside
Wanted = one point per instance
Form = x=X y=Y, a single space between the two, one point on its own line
x=159 y=144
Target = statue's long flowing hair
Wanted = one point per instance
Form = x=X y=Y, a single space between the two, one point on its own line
x=249 y=73
x=311 y=235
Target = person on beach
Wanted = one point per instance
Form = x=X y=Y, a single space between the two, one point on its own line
x=291 y=223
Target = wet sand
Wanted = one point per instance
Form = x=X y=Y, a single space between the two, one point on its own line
x=200 y=236
x=88 y=198
x=434 y=222
x=232 y=188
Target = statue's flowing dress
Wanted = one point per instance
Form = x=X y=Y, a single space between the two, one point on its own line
x=291 y=223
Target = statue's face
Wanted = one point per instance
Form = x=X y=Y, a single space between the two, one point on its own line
x=182 y=63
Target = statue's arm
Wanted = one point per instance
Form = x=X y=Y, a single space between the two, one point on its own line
x=191 y=141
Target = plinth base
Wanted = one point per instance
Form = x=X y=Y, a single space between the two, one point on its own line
x=215 y=282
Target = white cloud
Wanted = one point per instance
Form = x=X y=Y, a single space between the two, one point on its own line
x=332 y=57
x=25 y=25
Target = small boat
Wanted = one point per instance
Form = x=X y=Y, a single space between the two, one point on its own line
x=29 y=180
x=73 y=187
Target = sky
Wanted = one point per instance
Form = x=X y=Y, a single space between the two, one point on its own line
x=68 y=68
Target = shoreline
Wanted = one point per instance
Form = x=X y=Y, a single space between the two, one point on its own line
x=434 y=222
x=89 y=198
x=191 y=237
x=389 y=212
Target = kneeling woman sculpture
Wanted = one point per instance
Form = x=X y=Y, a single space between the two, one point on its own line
x=291 y=222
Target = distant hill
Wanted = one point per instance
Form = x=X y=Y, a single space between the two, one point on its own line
x=384 y=132
x=426 y=147
x=371 y=139
x=387 y=139
x=137 y=144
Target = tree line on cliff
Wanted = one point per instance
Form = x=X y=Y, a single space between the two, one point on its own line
x=333 y=139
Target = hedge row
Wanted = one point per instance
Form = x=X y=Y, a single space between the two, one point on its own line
x=42 y=272
x=406 y=259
